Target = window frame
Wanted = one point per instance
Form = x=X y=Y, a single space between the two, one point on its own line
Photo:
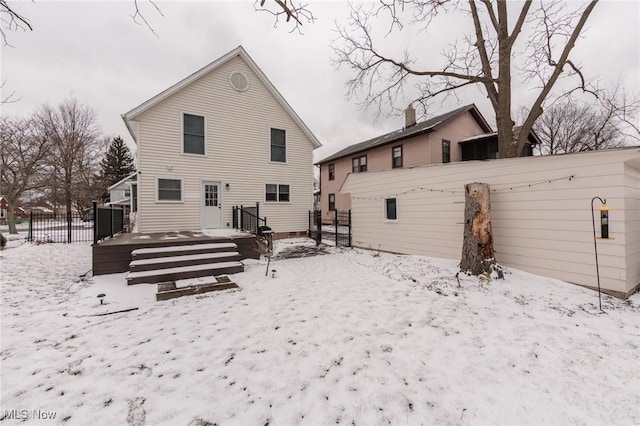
x=332 y=171
x=386 y=209
x=446 y=154
x=158 y=200
x=271 y=160
x=204 y=136
x=393 y=157
x=331 y=202
x=358 y=168
x=278 y=193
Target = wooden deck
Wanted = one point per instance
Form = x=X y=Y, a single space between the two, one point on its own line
x=114 y=255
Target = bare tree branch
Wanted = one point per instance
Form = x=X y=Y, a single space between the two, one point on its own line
x=11 y=20
x=297 y=13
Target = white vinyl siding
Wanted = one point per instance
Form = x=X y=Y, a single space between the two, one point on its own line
x=541 y=219
x=238 y=154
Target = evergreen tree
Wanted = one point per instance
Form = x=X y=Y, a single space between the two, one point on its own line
x=117 y=163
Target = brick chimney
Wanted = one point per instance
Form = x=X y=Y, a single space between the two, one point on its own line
x=409 y=116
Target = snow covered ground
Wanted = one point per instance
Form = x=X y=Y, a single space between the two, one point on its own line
x=349 y=337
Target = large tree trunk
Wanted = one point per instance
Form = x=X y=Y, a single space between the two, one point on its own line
x=477 y=246
x=11 y=218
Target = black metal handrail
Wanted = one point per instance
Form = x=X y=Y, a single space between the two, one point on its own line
x=248 y=218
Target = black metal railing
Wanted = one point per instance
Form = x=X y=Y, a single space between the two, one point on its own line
x=339 y=231
x=109 y=221
x=248 y=218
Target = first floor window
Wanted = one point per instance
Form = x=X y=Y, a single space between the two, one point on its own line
x=396 y=157
x=359 y=164
x=193 y=134
x=169 y=190
x=446 y=151
x=390 y=209
x=277 y=193
x=332 y=202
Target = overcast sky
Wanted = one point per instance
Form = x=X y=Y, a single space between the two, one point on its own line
x=94 y=52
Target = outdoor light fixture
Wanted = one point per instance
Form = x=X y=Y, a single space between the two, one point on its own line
x=226 y=186
x=604 y=234
x=604 y=219
x=101 y=297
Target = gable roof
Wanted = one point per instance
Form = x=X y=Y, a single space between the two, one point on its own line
x=123 y=180
x=420 y=128
x=238 y=51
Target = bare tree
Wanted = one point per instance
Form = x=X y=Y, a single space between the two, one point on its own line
x=570 y=126
x=23 y=155
x=73 y=132
x=485 y=57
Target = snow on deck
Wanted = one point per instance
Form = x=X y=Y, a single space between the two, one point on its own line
x=190 y=247
x=350 y=337
x=188 y=257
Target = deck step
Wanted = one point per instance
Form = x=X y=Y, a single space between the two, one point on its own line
x=155 y=252
x=184 y=272
x=189 y=287
x=185 y=260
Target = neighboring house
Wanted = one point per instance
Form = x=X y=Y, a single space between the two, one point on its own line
x=3 y=209
x=440 y=139
x=123 y=194
x=540 y=213
x=485 y=146
x=224 y=136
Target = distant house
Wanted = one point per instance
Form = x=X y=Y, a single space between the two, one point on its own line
x=19 y=212
x=3 y=209
x=445 y=138
x=540 y=213
x=222 y=137
x=120 y=193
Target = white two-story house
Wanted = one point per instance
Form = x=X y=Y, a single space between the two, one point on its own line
x=222 y=137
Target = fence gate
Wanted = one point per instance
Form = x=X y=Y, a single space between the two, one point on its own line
x=338 y=232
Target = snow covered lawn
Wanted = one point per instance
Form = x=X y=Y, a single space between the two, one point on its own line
x=349 y=337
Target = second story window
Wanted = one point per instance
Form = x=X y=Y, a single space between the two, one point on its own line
x=446 y=151
x=332 y=171
x=193 y=134
x=396 y=156
x=278 y=146
x=359 y=164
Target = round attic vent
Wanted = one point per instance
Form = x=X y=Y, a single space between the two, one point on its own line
x=239 y=81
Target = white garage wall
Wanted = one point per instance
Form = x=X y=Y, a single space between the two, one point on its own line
x=540 y=210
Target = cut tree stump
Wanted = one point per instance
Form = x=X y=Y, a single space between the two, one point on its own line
x=477 y=245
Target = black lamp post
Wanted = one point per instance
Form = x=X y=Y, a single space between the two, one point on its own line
x=604 y=234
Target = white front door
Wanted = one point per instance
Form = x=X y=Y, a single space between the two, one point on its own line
x=211 y=205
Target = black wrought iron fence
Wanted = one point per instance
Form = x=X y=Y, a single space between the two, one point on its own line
x=72 y=227
x=68 y=227
x=339 y=231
